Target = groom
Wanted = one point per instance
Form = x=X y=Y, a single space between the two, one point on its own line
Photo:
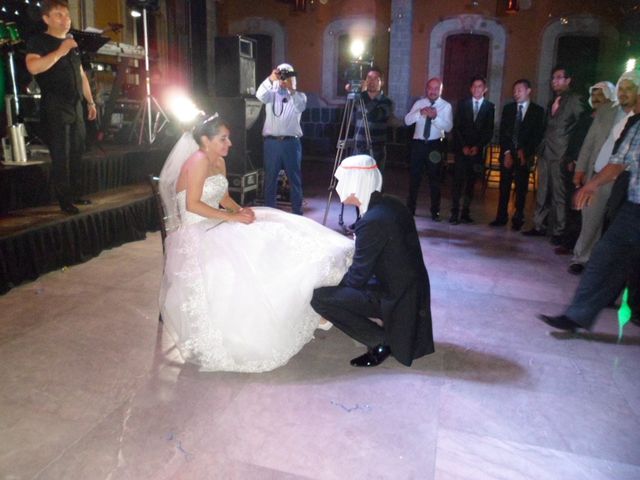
x=387 y=280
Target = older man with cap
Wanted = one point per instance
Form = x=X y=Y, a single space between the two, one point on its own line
x=387 y=280
x=282 y=132
x=594 y=156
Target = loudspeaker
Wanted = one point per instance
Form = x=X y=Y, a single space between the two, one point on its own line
x=235 y=66
x=245 y=117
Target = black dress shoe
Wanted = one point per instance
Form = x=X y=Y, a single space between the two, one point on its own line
x=466 y=219
x=374 y=356
x=516 y=225
x=575 y=268
x=435 y=217
x=69 y=208
x=534 y=232
x=81 y=201
x=453 y=219
x=561 y=322
x=498 y=223
x=556 y=240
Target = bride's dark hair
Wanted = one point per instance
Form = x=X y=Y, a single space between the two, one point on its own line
x=209 y=128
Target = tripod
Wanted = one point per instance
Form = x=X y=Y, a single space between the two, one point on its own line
x=354 y=100
x=151 y=115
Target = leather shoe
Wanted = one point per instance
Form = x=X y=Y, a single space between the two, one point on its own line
x=556 y=240
x=516 y=225
x=453 y=219
x=466 y=219
x=81 y=201
x=561 y=322
x=374 y=356
x=69 y=208
x=534 y=232
x=575 y=268
x=498 y=223
x=435 y=217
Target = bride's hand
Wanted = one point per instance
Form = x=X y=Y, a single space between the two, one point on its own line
x=249 y=211
x=244 y=216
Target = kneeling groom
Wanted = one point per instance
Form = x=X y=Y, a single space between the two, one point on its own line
x=387 y=280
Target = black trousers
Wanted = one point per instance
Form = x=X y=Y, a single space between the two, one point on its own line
x=429 y=156
x=466 y=170
x=64 y=133
x=349 y=309
x=519 y=174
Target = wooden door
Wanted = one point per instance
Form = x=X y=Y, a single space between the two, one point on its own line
x=466 y=56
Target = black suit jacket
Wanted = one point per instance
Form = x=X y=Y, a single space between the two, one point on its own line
x=530 y=133
x=388 y=251
x=466 y=132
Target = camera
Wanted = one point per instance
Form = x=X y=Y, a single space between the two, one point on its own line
x=285 y=74
x=354 y=73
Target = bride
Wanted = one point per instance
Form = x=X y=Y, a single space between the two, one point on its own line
x=237 y=281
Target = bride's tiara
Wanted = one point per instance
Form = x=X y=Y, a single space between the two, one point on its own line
x=211 y=118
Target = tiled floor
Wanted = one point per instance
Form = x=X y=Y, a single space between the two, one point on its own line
x=91 y=387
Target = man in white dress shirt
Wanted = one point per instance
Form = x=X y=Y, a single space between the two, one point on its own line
x=282 y=148
x=432 y=117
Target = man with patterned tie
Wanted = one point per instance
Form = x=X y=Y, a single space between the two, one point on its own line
x=563 y=114
x=472 y=131
x=432 y=117
x=521 y=129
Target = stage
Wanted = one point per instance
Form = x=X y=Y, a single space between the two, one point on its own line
x=36 y=237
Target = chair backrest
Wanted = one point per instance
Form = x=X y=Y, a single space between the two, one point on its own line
x=160 y=213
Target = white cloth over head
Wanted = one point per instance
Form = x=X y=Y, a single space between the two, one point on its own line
x=182 y=150
x=608 y=89
x=358 y=175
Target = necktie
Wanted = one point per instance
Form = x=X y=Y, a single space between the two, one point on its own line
x=426 y=133
x=556 y=105
x=516 y=127
x=475 y=110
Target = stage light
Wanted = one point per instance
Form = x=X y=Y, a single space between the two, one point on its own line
x=181 y=106
x=631 y=65
x=135 y=14
x=357 y=48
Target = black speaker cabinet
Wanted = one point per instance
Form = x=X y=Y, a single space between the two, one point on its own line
x=235 y=62
x=245 y=117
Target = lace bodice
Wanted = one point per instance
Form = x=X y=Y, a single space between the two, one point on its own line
x=213 y=191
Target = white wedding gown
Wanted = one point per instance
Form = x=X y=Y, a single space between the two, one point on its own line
x=236 y=297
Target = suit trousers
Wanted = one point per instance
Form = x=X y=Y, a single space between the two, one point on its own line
x=551 y=202
x=466 y=170
x=520 y=175
x=349 y=309
x=425 y=155
x=614 y=258
x=592 y=223
x=283 y=153
x=66 y=142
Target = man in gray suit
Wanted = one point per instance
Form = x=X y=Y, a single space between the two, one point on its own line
x=562 y=115
x=594 y=155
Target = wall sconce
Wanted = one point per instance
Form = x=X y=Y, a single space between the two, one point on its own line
x=512 y=7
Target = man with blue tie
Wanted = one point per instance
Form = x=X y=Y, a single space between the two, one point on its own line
x=432 y=117
x=472 y=131
x=521 y=130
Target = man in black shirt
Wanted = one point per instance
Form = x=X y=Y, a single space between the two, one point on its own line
x=53 y=59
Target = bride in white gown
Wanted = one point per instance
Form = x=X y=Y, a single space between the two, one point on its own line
x=237 y=281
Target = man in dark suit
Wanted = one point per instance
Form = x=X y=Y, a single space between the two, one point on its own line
x=387 y=281
x=472 y=131
x=562 y=118
x=521 y=129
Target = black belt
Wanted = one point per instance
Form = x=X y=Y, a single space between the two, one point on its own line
x=281 y=137
x=438 y=140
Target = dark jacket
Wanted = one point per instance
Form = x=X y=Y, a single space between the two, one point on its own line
x=466 y=132
x=530 y=133
x=388 y=251
x=560 y=127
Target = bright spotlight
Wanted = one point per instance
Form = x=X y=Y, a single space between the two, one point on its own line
x=135 y=14
x=181 y=106
x=631 y=65
x=357 y=48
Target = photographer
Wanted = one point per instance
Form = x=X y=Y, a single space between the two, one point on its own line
x=282 y=132
x=378 y=108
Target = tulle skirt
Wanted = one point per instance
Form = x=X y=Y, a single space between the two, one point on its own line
x=236 y=297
